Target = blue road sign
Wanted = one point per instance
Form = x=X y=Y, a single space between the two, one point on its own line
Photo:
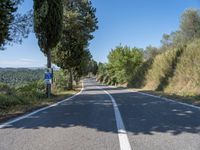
x=48 y=75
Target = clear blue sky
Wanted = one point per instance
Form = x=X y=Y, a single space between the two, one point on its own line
x=130 y=22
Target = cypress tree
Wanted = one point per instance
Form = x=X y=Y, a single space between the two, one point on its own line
x=48 y=21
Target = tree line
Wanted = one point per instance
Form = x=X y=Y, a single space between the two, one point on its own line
x=63 y=29
x=20 y=76
x=172 y=67
x=13 y=26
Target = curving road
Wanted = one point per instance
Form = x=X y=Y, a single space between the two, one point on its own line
x=105 y=118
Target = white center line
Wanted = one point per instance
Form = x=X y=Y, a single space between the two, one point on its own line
x=122 y=134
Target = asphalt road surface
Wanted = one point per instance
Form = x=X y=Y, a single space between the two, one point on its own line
x=105 y=118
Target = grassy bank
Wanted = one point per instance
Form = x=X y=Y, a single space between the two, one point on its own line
x=171 y=70
x=194 y=100
x=17 y=101
x=174 y=73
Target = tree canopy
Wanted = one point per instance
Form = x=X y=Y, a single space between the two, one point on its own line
x=48 y=18
x=48 y=22
x=189 y=29
x=78 y=24
x=190 y=24
x=13 y=26
x=123 y=61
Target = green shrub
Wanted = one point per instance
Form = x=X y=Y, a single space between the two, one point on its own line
x=61 y=80
x=106 y=79
x=18 y=77
x=7 y=101
x=122 y=63
x=31 y=90
x=138 y=80
x=5 y=89
x=100 y=77
x=162 y=69
x=186 y=80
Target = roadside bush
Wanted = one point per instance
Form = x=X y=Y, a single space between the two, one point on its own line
x=7 y=101
x=24 y=95
x=61 y=80
x=186 y=80
x=5 y=89
x=106 y=79
x=162 y=69
x=34 y=90
x=100 y=77
x=122 y=63
x=138 y=80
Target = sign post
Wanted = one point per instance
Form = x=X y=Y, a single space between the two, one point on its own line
x=48 y=77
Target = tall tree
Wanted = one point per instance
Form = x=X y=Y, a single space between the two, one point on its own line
x=123 y=62
x=92 y=67
x=82 y=69
x=48 y=21
x=190 y=24
x=189 y=30
x=78 y=24
x=13 y=26
x=151 y=52
x=6 y=15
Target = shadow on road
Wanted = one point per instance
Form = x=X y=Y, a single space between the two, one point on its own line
x=93 y=109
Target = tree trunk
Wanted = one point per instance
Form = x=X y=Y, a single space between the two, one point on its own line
x=77 y=81
x=48 y=86
x=70 y=79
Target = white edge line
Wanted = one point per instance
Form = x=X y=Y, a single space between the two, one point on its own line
x=122 y=134
x=169 y=100
x=39 y=110
x=163 y=98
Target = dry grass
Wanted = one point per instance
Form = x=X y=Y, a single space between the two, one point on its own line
x=20 y=109
x=192 y=99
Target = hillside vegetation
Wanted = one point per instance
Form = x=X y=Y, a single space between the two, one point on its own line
x=22 y=90
x=21 y=76
x=173 y=68
x=186 y=78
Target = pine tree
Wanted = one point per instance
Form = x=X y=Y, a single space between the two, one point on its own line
x=48 y=21
x=78 y=24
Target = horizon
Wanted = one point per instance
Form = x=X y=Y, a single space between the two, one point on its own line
x=132 y=23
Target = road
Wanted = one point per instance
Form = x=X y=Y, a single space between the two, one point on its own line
x=106 y=118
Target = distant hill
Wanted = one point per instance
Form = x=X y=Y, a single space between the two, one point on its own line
x=17 y=69
x=20 y=76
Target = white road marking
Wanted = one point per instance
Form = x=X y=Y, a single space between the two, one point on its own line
x=169 y=100
x=39 y=110
x=163 y=98
x=122 y=134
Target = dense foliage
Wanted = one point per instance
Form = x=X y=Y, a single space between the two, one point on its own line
x=48 y=22
x=28 y=94
x=19 y=77
x=172 y=68
x=25 y=87
x=20 y=87
x=79 y=21
x=13 y=26
x=7 y=17
x=186 y=78
x=122 y=63
x=48 y=15
x=61 y=80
